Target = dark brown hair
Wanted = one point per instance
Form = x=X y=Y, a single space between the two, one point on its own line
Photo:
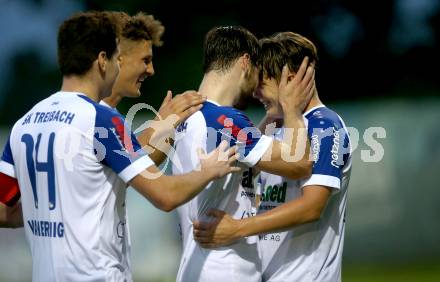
x=81 y=38
x=285 y=48
x=224 y=45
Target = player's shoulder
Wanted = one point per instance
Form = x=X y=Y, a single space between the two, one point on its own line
x=323 y=117
x=104 y=115
x=220 y=116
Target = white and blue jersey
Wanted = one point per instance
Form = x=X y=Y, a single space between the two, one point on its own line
x=72 y=158
x=313 y=251
x=206 y=129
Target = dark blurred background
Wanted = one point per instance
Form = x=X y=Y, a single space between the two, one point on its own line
x=378 y=68
x=368 y=49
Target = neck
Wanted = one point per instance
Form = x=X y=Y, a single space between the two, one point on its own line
x=113 y=100
x=314 y=102
x=79 y=84
x=220 y=88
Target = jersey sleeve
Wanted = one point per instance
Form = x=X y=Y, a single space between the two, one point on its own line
x=9 y=192
x=117 y=147
x=251 y=143
x=7 y=161
x=327 y=141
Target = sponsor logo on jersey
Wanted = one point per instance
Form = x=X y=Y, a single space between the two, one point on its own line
x=275 y=193
x=247 y=194
x=335 y=149
x=270 y=237
x=246 y=214
x=315 y=147
x=247 y=180
x=43 y=228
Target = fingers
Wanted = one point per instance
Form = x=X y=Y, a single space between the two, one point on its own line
x=204 y=235
x=208 y=245
x=233 y=159
x=215 y=213
x=310 y=86
x=200 y=225
x=234 y=169
x=223 y=145
x=302 y=70
x=309 y=76
x=203 y=240
x=167 y=98
x=182 y=103
x=201 y=153
x=188 y=112
x=232 y=151
x=284 y=76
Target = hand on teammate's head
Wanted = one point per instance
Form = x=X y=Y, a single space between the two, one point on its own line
x=296 y=90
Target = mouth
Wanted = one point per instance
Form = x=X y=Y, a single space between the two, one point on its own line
x=140 y=81
x=266 y=104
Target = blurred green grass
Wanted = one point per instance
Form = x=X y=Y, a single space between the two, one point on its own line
x=428 y=272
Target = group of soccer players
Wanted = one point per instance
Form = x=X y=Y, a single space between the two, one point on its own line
x=71 y=158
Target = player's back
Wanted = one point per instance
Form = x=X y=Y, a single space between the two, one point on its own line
x=73 y=206
x=206 y=129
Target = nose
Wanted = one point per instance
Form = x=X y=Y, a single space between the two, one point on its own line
x=150 y=69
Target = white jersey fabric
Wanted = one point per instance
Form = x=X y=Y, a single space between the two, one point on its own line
x=205 y=129
x=313 y=251
x=72 y=158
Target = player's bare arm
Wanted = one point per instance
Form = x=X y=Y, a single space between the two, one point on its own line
x=225 y=230
x=11 y=217
x=173 y=111
x=169 y=192
x=295 y=92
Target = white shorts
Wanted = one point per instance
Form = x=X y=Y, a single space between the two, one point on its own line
x=236 y=263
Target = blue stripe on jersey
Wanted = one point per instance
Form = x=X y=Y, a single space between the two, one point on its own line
x=232 y=125
x=329 y=142
x=7 y=153
x=115 y=145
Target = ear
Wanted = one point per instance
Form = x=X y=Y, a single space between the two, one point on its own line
x=102 y=61
x=245 y=61
x=290 y=75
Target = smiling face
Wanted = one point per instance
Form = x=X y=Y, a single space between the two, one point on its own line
x=267 y=93
x=136 y=65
